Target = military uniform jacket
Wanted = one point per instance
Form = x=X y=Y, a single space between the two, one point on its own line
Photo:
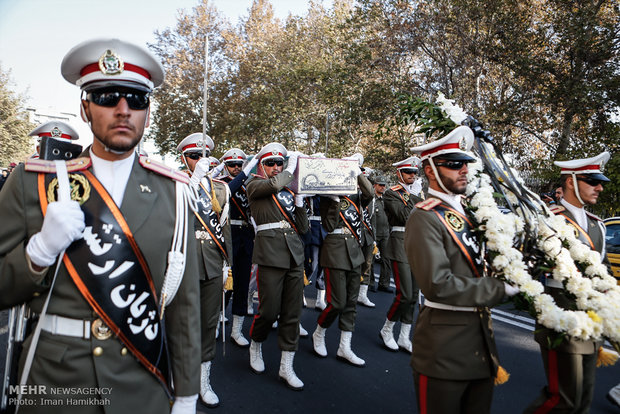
x=210 y=258
x=242 y=236
x=271 y=245
x=398 y=205
x=573 y=345
x=343 y=251
x=457 y=345
x=149 y=210
x=380 y=220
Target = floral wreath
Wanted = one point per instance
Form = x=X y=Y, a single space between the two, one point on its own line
x=573 y=263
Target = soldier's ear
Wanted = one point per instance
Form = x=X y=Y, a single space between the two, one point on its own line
x=83 y=112
x=428 y=170
x=147 y=121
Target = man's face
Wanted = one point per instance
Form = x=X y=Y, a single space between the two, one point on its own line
x=379 y=189
x=234 y=167
x=191 y=159
x=559 y=193
x=115 y=124
x=589 y=189
x=273 y=166
x=407 y=175
x=453 y=175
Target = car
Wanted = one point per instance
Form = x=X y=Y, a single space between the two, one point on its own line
x=612 y=244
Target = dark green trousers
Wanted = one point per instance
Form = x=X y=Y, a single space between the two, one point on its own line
x=441 y=396
x=406 y=294
x=280 y=297
x=210 y=307
x=343 y=288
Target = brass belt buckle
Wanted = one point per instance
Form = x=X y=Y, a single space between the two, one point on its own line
x=100 y=330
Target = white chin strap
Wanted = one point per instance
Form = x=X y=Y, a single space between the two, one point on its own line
x=577 y=189
x=107 y=149
x=443 y=187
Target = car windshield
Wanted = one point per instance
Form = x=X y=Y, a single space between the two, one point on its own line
x=612 y=238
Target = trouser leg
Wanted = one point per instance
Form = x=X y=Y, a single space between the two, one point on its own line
x=242 y=265
x=439 y=396
x=385 y=275
x=210 y=307
x=346 y=321
x=406 y=294
x=336 y=296
x=269 y=281
x=290 y=309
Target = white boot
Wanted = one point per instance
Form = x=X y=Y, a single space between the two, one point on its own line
x=207 y=395
x=345 y=352
x=318 y=341
x=302 y=332
x=256 y=357
x=287 y=374
x=403 y=339
x=387 y=335
x=250 y=303
x=362 y=298
x=305 y=303
x=235 y=333
x=320 y=299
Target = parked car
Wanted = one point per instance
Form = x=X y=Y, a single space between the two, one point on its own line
x=612 y=244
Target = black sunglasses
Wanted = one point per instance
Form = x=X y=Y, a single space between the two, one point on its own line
x=591 y=181
x=136 y=100
x=453 y=165
x=234 y=164
x=194 y=156
x=409 y=170
x=271 y=163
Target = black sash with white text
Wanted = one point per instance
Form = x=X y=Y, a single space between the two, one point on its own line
x=210 y=219
x=350 y=214
x=112 y=274
x=461 y=230
x=285 y=200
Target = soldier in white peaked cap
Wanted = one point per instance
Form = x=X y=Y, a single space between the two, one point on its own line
x=108 y=235
x=399 y=201
x=59 y=132
x=454 y=366
x=571 y=375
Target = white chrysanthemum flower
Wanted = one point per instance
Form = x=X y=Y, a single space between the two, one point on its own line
x=454 y=112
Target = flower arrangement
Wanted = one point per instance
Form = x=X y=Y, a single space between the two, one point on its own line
x=572 y=263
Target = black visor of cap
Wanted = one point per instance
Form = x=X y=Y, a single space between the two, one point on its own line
x=454 y=156
x=596 y=176
x=112 y=84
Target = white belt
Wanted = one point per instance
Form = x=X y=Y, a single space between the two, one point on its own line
x=59 y=325
x=238 y=222
x=342 y=230
x=398 y=228
x=279 y=225
x=436 y=305
x=316 y=218
x=202 y=235
x=554 y=283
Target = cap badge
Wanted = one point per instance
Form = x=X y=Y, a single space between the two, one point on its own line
x=56 y=132
x=463 y=144
x=110 y=63
x=274 y=153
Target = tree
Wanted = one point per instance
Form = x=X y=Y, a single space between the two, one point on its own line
x=14 y=124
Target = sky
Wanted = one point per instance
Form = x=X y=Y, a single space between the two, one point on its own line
x=36 y=34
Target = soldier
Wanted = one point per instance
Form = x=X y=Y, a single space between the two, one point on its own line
x=570 y=367
x=368 y=247
x=214 y=247
x=235 y=174
x=279 y=253
x=104 y=325
x=56 y=135
x=382 y=233
x=399 y=201
x=454 y=357
x=342 y=258
x=313 y=268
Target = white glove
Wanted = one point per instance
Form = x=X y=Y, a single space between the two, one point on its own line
x=217 y=170
x=299 y=199
x=200 y=170
x=292 y=161
x=249 y=166
x=184 y=405
x=510 y=290
x=63 y=223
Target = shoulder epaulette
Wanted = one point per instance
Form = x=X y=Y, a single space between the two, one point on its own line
x=396 y=187
x=557 y=209
x=48 y=166
x=428 y=204
x=593 y=216
x=163 y=169
x=215 y=180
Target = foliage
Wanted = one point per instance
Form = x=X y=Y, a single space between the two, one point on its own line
x=15 y=143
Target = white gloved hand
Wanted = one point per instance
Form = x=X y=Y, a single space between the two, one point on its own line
x=63 y=223
x=299 y=199
x=249 y=166
x=184 y=405
x=292 y=161
x=510 y=290
x=217 y=170
x=200 y=170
